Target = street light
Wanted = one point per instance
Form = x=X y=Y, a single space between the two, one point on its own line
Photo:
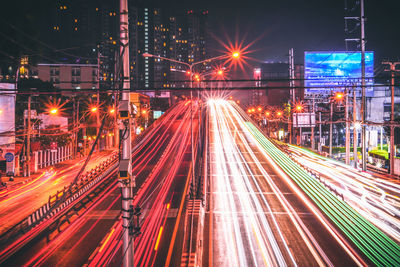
x=53 y=111
x=190 y=73
x=339 y=96
x=93 y=109
x=299 y=108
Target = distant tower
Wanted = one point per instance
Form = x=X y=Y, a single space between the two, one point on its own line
x=352 y=25
x=256 y=93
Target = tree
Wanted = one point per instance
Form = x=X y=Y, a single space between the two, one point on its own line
x=396 y=131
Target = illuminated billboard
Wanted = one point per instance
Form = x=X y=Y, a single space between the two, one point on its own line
x=333 y=71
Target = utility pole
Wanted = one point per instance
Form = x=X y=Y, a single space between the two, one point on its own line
x=125 y=168
x=346 y=110
x=320 y=132
x=116 y=131
x=76 y=125
x=392 y=70
x=363 y=98
x=330 y=129
x=355 y=134
x=98 y=118
x=28 y=140
x=312 y=110
x=292 y=93
x=192 y=184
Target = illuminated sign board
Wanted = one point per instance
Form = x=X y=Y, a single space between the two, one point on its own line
x=333 y=71
x=157 y=114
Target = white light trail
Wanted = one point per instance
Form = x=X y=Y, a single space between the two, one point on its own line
x=375 y=198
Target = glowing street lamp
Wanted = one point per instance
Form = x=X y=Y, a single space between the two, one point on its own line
x=190 y=73
x=259 y=109
x=339 y=96
x=279 y=113
x=53 y=111
x=93 y=109
x=267 y=113
x=236 y=54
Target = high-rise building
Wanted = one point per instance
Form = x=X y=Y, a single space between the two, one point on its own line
x=180 y=36
x=85 y=32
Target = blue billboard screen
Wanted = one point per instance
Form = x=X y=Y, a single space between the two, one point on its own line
x=333 y=71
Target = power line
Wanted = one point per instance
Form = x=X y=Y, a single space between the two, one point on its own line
x=47 y=45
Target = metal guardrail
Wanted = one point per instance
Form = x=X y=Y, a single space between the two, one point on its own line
x=88 y=180
x=82 y=186
x=313 y=173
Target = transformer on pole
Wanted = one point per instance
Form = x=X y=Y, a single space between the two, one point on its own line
x=125 y=177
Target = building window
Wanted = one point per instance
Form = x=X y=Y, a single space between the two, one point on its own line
x=387 y=107
x=55 y=80
x=76 y=71
x=76 y=80
x=388 y=92
x=54 y=71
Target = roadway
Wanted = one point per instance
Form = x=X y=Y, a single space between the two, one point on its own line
x=22 y=201
x=160 y=198
x=375 y=196
x=258 y=214
x=160 y=164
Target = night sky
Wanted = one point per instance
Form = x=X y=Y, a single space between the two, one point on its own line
x=275 y=25
x=304 y=25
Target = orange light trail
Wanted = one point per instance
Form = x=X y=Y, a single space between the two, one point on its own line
x=107 y=239
x=158 y=238
x=8 y=199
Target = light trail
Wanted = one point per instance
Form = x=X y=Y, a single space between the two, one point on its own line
x=375 y=245
x=154 y=195
x=248 y=237
x=316 y=251
x=376 y=199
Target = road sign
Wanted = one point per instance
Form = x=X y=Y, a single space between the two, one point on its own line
x=303 y=120
x=53 y=146
x=10 y=163
x=9 y=157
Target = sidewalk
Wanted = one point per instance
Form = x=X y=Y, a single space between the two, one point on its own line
x=21 y=180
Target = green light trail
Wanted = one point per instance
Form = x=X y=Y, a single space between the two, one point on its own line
x=377 y=246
